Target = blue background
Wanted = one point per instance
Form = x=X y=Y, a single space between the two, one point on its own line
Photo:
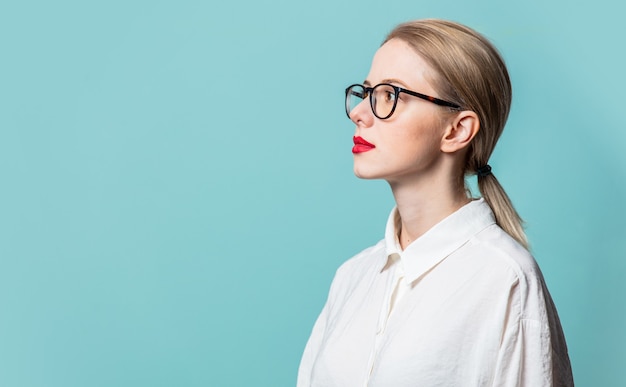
x=176 y=179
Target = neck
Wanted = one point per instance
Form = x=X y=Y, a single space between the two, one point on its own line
x=421 y=205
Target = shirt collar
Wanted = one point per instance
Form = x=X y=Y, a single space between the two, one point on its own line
x=438 y=242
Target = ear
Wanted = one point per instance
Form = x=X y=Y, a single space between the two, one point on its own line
x=460 y=131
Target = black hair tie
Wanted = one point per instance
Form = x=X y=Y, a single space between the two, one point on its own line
x=483 y=171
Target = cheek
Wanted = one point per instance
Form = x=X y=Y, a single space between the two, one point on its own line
x=421 y=137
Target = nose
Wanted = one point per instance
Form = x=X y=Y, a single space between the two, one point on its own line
x=362 y=114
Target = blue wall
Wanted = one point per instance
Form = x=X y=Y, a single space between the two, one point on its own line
x=176 y=180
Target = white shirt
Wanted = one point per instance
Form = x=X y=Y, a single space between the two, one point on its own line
x=470 y=308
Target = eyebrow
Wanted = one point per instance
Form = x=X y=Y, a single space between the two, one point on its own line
x=387 y=80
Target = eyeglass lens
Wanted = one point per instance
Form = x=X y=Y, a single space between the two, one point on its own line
x=383 y=99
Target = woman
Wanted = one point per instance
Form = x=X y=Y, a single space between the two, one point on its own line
x=451 y=295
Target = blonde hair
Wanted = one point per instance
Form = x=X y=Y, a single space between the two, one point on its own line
x=470 y=72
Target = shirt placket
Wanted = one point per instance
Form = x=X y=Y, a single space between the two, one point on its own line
x=394 y=293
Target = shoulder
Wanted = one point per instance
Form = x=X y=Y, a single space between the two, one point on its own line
x=366 y=263
x=504 y=257
x=495 y=244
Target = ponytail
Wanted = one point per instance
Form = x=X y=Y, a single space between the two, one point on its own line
x=506 y=216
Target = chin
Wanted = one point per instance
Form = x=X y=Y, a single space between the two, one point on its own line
x=364 y=174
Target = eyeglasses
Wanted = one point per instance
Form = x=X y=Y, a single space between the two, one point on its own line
x=384 y=98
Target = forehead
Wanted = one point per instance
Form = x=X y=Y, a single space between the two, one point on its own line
x=397 y=60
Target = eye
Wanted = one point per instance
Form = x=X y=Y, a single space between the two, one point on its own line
x=386 y=94
x=389 y=95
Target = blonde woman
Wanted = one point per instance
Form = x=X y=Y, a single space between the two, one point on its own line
x=451 y=296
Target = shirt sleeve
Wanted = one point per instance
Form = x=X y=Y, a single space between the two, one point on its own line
x=316 y=340
x=533 y=351
x=312 y=349
x=524 y=358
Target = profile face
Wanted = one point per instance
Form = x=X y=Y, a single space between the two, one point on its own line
x=407 y=144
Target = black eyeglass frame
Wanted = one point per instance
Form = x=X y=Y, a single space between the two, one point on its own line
x=397 y=90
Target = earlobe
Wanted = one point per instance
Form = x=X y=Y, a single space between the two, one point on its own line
x=460 y=131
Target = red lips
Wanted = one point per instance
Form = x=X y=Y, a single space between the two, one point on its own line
x=360 y=145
